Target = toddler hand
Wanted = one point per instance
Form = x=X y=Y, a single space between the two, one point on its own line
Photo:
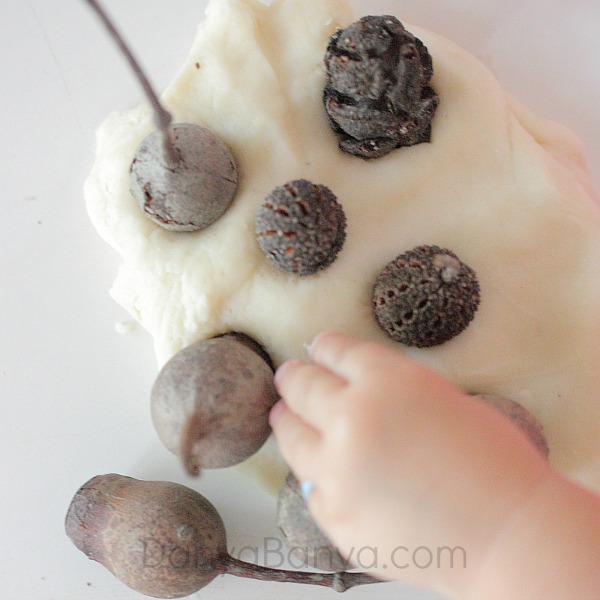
x=407 y=469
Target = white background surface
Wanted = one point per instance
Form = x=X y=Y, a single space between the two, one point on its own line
x=74 y=392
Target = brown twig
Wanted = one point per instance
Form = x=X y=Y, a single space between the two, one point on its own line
x=340 y=582
x=162 y=117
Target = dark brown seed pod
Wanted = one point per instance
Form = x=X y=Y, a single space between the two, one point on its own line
x=165 y=540
x=425 y=296
x=521 y=417
x=301 y=227
x=190 y=189
x=303 y=536
x=377 y=94
x=161 y=539
x=210 y=402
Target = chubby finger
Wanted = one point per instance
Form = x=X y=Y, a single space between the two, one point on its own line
x=347 y=356
x=310 y=390
x=298 y=442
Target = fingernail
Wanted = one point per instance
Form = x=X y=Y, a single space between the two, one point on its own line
x=276 y=411
x=316 y=340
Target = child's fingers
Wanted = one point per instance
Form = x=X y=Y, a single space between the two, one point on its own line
x=344 y=355
x=309 y=390
x=297 y=441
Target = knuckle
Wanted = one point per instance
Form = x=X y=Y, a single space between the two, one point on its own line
x=367 y=357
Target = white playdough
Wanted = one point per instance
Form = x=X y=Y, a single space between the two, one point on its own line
x=505 y=190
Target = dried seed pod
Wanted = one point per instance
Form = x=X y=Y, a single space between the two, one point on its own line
x=211 y=402
x=301 y=227
x=183 y=176
x=521 y=417
x=425 y=296
x=161 y=539
x=377 y=94
x=167 y=541
x=190 y=189
x=304 y=537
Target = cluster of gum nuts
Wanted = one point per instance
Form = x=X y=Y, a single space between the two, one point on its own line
x=210 y=405
x=211 y=401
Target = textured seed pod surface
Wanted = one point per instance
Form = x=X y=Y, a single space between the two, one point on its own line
x=228 y=389
x=301 y=227
x=377 y=95
x=195 y=190
x=301 y=533
x=161 y=539
x=425 y=296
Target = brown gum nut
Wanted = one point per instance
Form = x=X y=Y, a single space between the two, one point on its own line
x=304 y=537
x=425 y=296
x=161 y=539
x=191 y=192
x=301 y=227
x=377 y=94
x=228 y=388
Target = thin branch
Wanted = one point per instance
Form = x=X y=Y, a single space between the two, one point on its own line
x=340 y=582
x=162 y=117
